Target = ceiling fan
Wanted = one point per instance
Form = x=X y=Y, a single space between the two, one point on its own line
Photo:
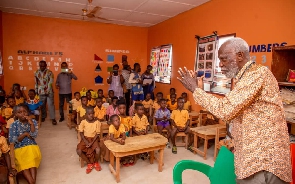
x=89 y=11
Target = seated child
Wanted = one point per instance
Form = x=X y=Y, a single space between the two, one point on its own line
x=34 y=104
x=162 y=116
x=156 y=104
x=187 y=104
x=111 y=94
x=228 y=141
x=180 y=122
x=100 y=94
x=5 y=165
x=172 y=103
x=125 y=120
x=75 y=103
x=172 y=92
x=88 y=148
x=148 y=104
x=11 y=120
x=19 y=97
x=8 y=110
x=112 y=109
x=99 y=110
x=81 y=110
x=16 y=87
x=90 y=100
x=23 y=133
x=140 y=122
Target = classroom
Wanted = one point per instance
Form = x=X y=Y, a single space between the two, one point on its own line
x=112 y=91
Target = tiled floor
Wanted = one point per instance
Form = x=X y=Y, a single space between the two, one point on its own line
x=60 y=163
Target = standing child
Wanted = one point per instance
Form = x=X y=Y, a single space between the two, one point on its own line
x=111 y=94
x=19 y=97
x=180 y=122
x=187 y=104
x=140 y=122
x=125 y=120
x=148 y=104
x=99 y=110
x=81 y=110
x=100 y=94
x=23 y=133
x=172 y=92
x=90 y=100
x=112 y=109
x=75 y=103
x=156 y=104
x=88 y=148
x=172 y=103
x=34 y=104
x=162 y=116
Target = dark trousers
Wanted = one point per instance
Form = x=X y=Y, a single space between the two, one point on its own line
x=62 y=98
x=127 y=98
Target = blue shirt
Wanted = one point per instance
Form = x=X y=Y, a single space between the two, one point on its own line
x=17 y=128
x=160 y=113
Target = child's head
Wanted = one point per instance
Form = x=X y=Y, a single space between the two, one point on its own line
x=115 y=69
x=114 y=100
x=17 y=93
x=15 y=86
x=88 y=95
x=139 y=109
x=159 y=96
x=180 y=103
x=163 y=103
x=99 y=102
x=77 y=95
x=84 y=100
x=10 y=101
x=173 y=97
x=148 y=96
x=122 y=108
x=172 y=91
x=136 y=67
x=111 y=93
x=100 y=93
x=184 y=96
x=32 y=94
x=89 y=113
x=115 y=120
x=21 y=111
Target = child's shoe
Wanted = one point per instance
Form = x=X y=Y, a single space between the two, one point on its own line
x=89 y=168
x=97 y=166
x=174 y=149
x=168 y=145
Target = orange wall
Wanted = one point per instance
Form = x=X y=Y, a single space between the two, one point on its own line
x=258 y=22
x=78 y=40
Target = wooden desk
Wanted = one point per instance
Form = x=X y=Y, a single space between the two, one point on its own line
x=207 y=133
x=194 y=118
x=135 y=145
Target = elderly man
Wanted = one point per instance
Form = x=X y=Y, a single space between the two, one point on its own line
x=43 y=86
x=262 y=151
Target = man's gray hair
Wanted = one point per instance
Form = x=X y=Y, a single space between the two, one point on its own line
x=239 y=45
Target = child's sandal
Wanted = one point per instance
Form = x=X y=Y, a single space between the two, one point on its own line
x=131 y=162
x=190 y=149
x=125 y=164
x=89 y=168
x=174 y=149
x=97 y=166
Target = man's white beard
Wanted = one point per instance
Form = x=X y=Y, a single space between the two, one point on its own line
x=233 y=70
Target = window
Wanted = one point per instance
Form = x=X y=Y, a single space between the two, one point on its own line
x=161 y=61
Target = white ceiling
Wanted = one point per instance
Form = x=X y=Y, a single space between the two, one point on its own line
x=142 y=13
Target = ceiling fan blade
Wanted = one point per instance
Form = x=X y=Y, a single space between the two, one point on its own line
x=94 y=10
x=69 y=13
x=101 y=18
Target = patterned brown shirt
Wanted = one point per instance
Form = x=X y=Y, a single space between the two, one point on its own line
x=259 y=129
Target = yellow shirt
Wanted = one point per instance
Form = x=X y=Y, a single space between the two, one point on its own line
x=156 y=106
x=140 y=124
x=186 y=105
x=99 y=113
x=8 y=112
x=172 y=106
x=117 y=133
x=89 y=129
x=147 y=104
x=75 y=103
x=4 y=148
x=19 y=101
x=126 y=122
x=91 y=102
x=180 y=117
x=81 y=110
x=9 y=122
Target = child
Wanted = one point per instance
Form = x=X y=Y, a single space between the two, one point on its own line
x=6 y=166
x=19 y=97
x=187 y=104
x=172 y=104
x=162 y=116
x=180 y=122
x=88 y=148
x=148 y=104
x=100 y=94
x=23 y=133
x=15 y=87
x=90 y=100
x=81 y=110
x=172 y=92
x=11 y=120
x=125 y=120
x=111 y=94
x=75 y=103
x=8 y=110
x=140 y=122
x=33 y=103
x=156 y=104
x=99 y=110
x=112 y=109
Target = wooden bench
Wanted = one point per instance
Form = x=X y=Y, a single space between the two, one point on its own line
x=135 y=145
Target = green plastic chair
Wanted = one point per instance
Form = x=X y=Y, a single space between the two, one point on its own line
x=223 y=171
